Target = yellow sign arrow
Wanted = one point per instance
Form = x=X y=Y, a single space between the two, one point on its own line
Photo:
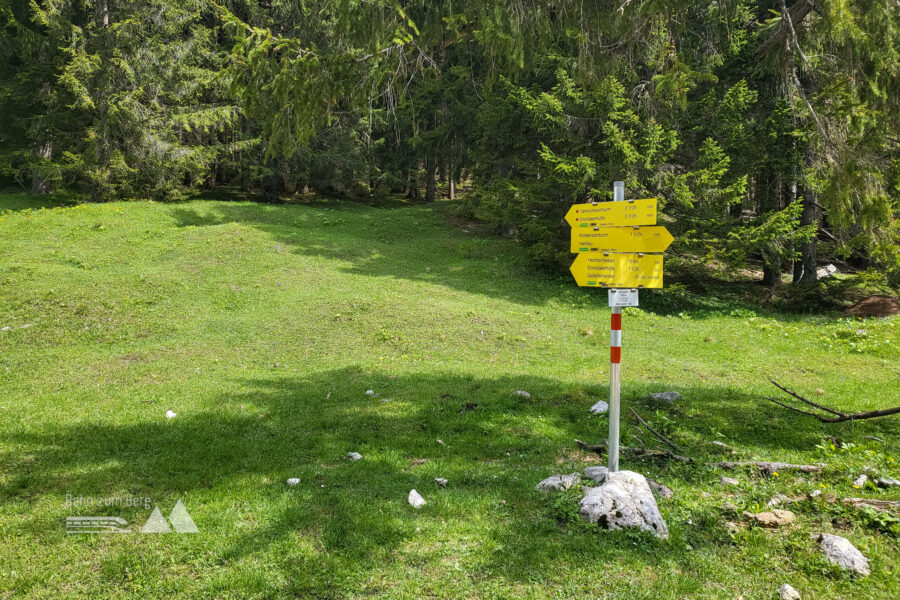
x=604 y=214
x=621 y=239
x=596 y=269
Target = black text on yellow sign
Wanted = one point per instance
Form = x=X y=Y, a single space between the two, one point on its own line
x=620 y=239
x=596 y=269
x=606 y=214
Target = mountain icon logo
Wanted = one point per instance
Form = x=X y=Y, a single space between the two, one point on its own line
x=180 y=519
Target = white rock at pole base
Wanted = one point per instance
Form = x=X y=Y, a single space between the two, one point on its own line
x=624 y=501
x=839 y=551
x=415 y=500
x=787 y=592
x=558 y=483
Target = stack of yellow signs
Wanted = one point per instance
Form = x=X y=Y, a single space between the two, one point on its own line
x=618 y=244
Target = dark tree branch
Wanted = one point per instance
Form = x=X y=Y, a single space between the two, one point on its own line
x=839 y=416
x=794 y=16
x=658 y=435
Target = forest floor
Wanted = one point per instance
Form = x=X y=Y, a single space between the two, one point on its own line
x=264 y=327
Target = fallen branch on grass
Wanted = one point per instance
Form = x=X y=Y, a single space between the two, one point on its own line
x=635 y=452
x=658 y=435
x=884 y=505
x=838 y=417
x=768 y=467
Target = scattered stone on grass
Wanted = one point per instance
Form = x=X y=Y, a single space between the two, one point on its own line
x=371 y=393
x=814 y=494
x=777 y=499
x=5 y=328
x=354 y=456
x=722 y=445
x=730 y=481
x=522 y=394
x=787 y=592
x=597 y=474
x=860 y=481
x=440 y=481
x=441 y=442
x=171 y=414
x=659 y=489
x=558 y=483
x=418 y=461
x=882 y=505
x=415 y=500
x=293 y=481
x=667 y=397
x=826 y=271
x=773 y=518
x=769 y=467
x=600 y=408
x=887 y=482
x=839 y=551
x=624 y=501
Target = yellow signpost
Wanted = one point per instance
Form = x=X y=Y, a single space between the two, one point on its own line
x=605 y=214
x=621 y=239
x=596 y=269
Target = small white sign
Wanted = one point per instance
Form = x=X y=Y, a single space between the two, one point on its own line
x=623 y=297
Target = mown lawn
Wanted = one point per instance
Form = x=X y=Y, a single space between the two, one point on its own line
x=264 y=326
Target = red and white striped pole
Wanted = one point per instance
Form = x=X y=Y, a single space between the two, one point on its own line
x=615 y=362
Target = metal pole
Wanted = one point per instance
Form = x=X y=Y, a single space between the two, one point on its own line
x=615 y=357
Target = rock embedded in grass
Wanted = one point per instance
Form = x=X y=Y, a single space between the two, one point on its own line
x=839 y=551
x=600 y=408
x=730 y=481
x=354 y=456
x=293 y=481
x=669 y=398
x=625 y=501
x=440 y=481
x=415 y=500
x=773 y=518
x=787 y=592
x=597 y=474
x=885 y=482
x=558 y=483
x=860 y=481
x=171 y=414
x=522 y=394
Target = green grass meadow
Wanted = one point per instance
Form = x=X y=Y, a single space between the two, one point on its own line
x=263 y=327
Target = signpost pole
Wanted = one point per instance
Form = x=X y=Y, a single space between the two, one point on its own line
x=615 y=358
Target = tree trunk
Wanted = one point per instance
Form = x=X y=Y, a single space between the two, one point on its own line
x=429 y=179
x=39 y=185
x=771 y=272
x=808 y=259
x=452 y=188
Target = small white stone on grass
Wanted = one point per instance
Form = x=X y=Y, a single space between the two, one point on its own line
x=730 y=481
x=354 y=456
x=787 y=592
x=522 y=394
x=860 y=481
x=558 y=483
x=600 y=408
x=371 y=393
x=415 y=500
x=5 y=328
x=440 y=481
x=293 y=481
x=171 y=414
x=839 y=551
x=441 y=442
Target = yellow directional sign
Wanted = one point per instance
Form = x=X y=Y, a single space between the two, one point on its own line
x=596 y=269
x=620 y=239
x=604 y=214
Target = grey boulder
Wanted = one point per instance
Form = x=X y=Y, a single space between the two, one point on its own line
x=839 y=551
x=667 y=397
x=597 y=474
x=558 y=483
x=623 y=502
x=787 y=592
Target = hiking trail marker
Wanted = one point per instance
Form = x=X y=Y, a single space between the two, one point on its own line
x=618 y=245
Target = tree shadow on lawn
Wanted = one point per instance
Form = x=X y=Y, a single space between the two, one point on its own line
x=417 y=243
x=20 y=201
x=238 y=450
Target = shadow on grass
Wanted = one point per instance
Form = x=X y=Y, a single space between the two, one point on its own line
x=238 y=449
x=19 y=201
